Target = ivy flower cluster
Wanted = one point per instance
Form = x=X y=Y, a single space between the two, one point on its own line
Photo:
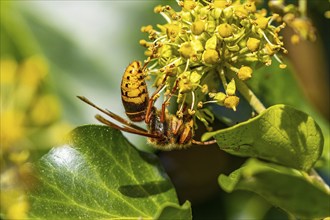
x=30 y=120
x=199 y=46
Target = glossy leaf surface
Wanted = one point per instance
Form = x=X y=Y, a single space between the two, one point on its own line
x=98 y=174
x=280 y=134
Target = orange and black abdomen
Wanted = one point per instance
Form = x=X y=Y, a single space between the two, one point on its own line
x=134 y=92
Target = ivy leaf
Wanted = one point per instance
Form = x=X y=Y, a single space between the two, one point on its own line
x=98 y=174
x=280 y=134
x=288 y=92
x=292 y=190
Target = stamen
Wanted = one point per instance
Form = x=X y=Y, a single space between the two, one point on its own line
x=159 y=38
x=210 y=102
x=187 y=65
x=266 y=38
x=193 y=101
x=167 y=18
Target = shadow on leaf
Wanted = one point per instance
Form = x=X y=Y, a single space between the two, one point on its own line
x=145 y=190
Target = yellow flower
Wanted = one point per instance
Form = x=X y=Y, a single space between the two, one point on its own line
x=7 y=70
x=45 y=110
x=13 y=122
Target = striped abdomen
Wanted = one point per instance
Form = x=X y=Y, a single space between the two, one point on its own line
x=134 y=92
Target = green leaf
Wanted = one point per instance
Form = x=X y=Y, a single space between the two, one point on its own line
x=287 y=91
x=98 y=174
x=292 y=190
x=280 y=134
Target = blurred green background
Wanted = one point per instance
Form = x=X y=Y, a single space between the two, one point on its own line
x=52 y=51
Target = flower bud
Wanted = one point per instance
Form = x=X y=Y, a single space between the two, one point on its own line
x=244 y=73
x=225 y=30
x=253 y=44
x=186 y=50
x=210 y=56
x=198 y=27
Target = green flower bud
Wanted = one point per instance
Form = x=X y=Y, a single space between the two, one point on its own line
x=245 y=73
x=253 y=44
x=198 y=27
x=210 y=56
x=225 y=30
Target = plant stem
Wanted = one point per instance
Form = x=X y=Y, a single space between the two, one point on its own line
x=303 y=7
x=314 y=174
x=253 y=100
x=223 y=78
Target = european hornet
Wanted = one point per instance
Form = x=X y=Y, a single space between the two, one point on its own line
x=165 y=130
